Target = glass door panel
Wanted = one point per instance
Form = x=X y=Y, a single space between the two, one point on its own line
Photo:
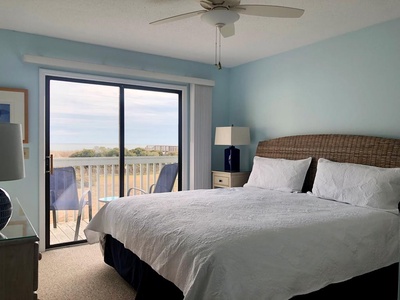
x=83 y=142
x=151 y=136
x=91 y=129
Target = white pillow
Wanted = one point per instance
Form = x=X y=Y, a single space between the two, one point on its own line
x=278 y=174
x=356 y=184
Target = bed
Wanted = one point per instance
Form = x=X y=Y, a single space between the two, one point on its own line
x=261 y=242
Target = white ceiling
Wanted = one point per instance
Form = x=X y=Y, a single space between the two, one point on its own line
x=124 y=24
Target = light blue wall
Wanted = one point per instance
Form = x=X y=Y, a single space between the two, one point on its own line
x=348 y=84
x=14 y=73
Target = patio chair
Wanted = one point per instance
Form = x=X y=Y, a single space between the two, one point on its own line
x=165 y=181
x=64 y=195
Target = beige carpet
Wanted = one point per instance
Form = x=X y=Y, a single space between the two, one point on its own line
x=79 y=272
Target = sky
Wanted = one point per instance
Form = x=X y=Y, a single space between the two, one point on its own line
x=86 y=115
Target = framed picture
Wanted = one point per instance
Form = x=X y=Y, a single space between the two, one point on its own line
x=14 y=108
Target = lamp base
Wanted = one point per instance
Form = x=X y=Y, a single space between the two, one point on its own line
x=232 y=159
x=5 y=208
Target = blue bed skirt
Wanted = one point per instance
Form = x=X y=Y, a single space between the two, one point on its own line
x=149 y=285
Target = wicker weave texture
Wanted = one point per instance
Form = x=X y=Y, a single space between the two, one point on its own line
x=366 y=150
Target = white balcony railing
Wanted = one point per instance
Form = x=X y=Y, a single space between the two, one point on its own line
x=100 y=175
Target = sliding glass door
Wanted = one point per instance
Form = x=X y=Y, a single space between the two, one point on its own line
x=103 y=138
x=152 y=126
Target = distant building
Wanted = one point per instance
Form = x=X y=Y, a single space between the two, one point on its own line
x=162 y=148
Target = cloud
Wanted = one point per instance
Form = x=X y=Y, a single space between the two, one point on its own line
x=89 y=113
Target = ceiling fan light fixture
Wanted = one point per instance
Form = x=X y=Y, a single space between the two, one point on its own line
x=220 y=17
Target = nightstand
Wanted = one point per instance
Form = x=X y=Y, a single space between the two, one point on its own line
x=19 y=257
x=222 y=179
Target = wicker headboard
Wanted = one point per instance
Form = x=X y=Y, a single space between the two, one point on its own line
x=366 y=150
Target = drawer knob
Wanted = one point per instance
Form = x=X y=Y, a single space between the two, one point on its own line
x=220 y=180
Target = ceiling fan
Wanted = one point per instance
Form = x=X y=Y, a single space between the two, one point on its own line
x=224 y=13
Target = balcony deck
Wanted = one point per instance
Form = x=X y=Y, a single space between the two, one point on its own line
x=100 y=175
x=65 y=231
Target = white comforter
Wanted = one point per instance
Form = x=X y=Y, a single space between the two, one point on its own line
x=249 y=243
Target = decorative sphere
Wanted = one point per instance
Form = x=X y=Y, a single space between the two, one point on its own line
x=5 y=208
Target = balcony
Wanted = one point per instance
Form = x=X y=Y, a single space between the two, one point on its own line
x=100 y=175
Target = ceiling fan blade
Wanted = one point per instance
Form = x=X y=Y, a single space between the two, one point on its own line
x=179 y=17
x=207 y=4
x=227 y=30
x=269 y=11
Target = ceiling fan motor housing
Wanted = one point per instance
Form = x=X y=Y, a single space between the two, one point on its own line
x=210 y=4
x=220 y=16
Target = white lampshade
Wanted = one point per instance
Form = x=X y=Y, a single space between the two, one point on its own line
x=232 y=136
x=11 y=152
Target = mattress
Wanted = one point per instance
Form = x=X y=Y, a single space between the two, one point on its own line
x=249 y=243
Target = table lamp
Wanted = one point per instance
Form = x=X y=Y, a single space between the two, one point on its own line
x=232 y=136
x=11 y=165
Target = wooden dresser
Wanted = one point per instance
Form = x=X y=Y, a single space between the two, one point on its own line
x=18 y=258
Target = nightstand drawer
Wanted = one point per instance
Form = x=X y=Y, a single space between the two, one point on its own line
x=221 y=180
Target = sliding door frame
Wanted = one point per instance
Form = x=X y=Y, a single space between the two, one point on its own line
x=183 y=142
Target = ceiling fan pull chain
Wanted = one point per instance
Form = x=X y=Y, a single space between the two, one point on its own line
x=216 y=45
x=219 y=54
